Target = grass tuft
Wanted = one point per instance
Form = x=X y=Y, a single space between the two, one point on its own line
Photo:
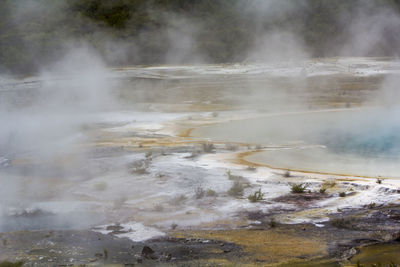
x=211 y=193
x=345 y=223
x=100 y=186
x=199 y=192
x=236 y=190
x=257 y=196
x=178 y=200
x=299 y=188
x=208 y=147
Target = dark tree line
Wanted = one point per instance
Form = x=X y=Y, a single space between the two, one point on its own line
x=36 y=32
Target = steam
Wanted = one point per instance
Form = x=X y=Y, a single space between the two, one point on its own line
x=68 y=91
x=42 y=126
x=278 y=46
x=182 y=45
x=373 y=31
x=279 y=42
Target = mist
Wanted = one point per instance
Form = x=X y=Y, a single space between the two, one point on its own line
x=42 y=128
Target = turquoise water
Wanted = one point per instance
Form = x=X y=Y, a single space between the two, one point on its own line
x=364 y=142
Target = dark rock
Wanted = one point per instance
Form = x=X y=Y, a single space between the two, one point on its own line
x=165 y=257
x=349 y=253
x=115 y=227
x=148 y=253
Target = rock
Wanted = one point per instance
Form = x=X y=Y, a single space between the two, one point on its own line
x=391 y=237
x=148 y=253
x=114 y=228
x=165 y=257
x=349 y=253
x=396 y=236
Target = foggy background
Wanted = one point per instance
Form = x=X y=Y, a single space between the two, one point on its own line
x=34 y=33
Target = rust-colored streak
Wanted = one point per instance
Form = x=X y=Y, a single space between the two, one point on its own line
x=240 y=159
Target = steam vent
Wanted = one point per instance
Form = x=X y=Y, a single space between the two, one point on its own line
x=200 y=133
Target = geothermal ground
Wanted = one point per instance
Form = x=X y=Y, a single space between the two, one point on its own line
x=225 y=165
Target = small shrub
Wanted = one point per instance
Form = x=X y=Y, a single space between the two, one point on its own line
x=342 y=194
x=158 y=207
x=251 y=168
x=299 y=188
x=272 y=223
x=236 y=190
x=286 y=174
x=178 y=200
x=119 y=202
x=139 y=167
x=378 y=181
x=233 y=177
x=199 y=192
x=101 y=186
x=257 y=196
x=173 y=226
x=371 y=205
x=322 y=190
x=329 y=184
x=343 y=223
x=231 y=147
x=105 y=253
x=148 y=154
x=211 y=193
x=208 y=147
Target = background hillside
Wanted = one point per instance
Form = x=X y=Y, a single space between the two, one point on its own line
x=130 y=32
